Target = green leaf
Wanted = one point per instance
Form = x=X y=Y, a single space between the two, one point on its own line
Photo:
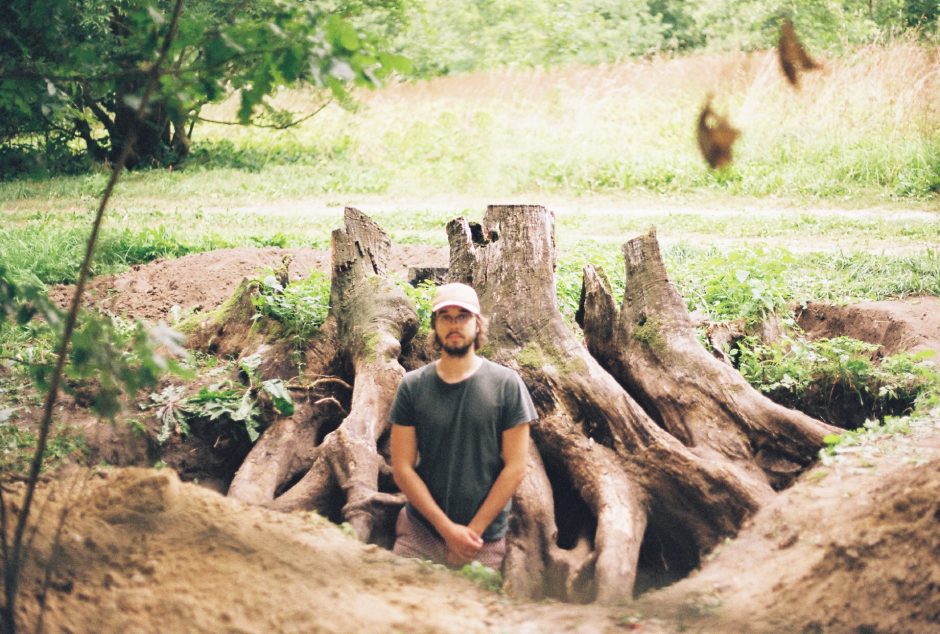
x=245 y=408
x=280 y=396
x=344 y=34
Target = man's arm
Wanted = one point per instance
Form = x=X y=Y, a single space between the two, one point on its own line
x=461 y=540
x=515 y=456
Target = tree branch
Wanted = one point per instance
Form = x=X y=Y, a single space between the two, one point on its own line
x=270 y=126
x=12 y=567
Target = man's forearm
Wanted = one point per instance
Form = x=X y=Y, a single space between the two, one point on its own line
x=500 y=493
x=420 y=497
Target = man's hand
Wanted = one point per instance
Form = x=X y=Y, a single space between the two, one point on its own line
x=463 y=544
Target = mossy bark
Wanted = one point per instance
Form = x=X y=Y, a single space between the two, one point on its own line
x=369 y=319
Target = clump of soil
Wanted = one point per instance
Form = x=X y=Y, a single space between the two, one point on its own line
x=202 y=281
x=140 y=551
x=852 y=547
x=909 y=325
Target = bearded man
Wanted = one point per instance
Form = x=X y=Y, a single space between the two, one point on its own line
x=460 y=438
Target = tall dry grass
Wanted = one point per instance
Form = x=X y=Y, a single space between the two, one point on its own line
x=868 y=124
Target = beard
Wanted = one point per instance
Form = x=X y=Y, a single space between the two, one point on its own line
x=456 y=348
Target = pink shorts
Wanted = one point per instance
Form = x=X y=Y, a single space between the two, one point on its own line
x=414 y=539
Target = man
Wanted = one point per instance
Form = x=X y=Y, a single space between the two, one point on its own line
x=460 y=437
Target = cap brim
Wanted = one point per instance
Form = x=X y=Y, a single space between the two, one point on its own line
x=473 y=309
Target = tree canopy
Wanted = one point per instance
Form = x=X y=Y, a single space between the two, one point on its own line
x=74 y=70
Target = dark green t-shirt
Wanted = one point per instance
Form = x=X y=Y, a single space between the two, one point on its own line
x=459 y=429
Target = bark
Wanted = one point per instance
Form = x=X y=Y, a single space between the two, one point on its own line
x=647 y=453
x=370 y=318
x=650 y=347
x=638 y=483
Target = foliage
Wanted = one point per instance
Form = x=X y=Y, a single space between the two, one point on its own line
x=301 y=307
x=744 y=283
x=171 y=412
x=484 y=576
x=816 y=374
x=113 y=355
x=72 y=71
x=422 y=296
x=445 y=38
x=870 y=431
x=442 y=38
x=17 y=445
x=242 y=406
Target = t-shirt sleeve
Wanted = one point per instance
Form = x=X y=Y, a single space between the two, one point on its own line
x=402 y=410
x=517 y=404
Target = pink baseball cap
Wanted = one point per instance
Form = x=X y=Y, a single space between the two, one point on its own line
x=456 y=294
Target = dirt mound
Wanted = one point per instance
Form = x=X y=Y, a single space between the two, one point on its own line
x=911 y=325
x=888 y=560
x=854 y=546
x=142 y=552
x=202 y=281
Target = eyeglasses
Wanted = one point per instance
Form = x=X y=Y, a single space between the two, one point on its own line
x=451 y=320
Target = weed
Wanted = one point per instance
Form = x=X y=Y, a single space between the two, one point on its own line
x=422 y=296
x=301 y=307
x=836 y=379
x=872 y=430
x=484 y=576
x=17 y=446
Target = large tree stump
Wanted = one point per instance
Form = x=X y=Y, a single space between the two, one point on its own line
x=624 y=488
x=650 y=347
x=369 y=319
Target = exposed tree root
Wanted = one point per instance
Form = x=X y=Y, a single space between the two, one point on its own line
x=369 y=319
x=636 y=479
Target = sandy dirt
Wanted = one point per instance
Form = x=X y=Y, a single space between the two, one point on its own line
x=909 y=325
x=202 y=281
x=853 y=546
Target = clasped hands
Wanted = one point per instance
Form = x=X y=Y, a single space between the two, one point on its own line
x=463 y=544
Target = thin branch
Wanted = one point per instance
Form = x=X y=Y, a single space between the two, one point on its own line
x=12 y=569
x=102 y=116
x=273 y=127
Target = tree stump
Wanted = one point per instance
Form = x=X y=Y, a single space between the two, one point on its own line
x=650 y=347
x=615 y=488
x=648 y=452
x=369 y=320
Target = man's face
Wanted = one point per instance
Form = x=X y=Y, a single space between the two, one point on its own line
x=456 y=328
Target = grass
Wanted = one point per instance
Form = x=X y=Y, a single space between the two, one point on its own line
x=866 y=126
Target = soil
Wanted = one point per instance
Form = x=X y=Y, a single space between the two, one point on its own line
x=853 y=546
x=908 y=325
x=202 y=281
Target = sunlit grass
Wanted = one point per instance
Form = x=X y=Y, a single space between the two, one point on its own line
x=865 y=127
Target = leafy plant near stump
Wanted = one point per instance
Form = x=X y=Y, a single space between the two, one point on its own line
x=301 y=307
x=815 y=374
x=225 y=401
